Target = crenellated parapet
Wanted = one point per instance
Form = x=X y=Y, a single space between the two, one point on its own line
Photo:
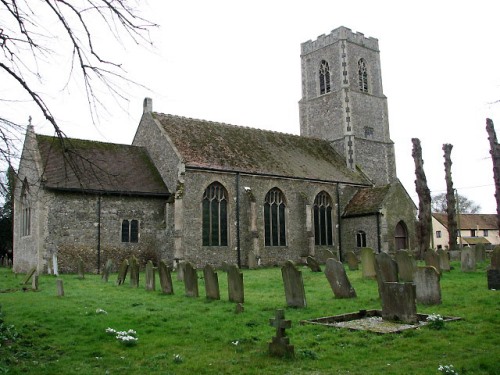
x=340 y=33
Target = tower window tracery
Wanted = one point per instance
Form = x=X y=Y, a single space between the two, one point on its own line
x=324 y=78
x=362 y=76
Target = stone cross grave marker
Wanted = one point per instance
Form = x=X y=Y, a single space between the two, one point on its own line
x=122 y=272
x=165 y=278
x=107 y=270
x=280 y=344
x=399 y=302
x=81 y=269
x=428 y=288
x=337 y=277
x=407 y=266
x=431 y=258
x=294 y=285
x=444 y=260
x=150 y=276
x=190 y=280
x=468 y=259
x=235 y=284
x=313 y=264
x=134 y=272
x=368 y=263
x=212 y=290
x=352 y=260
x=60 y=287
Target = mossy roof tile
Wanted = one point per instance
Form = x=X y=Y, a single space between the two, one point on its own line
x=367 y=201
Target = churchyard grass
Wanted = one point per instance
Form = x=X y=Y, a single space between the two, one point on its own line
x=182 y=335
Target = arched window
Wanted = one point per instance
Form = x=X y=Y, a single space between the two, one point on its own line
x=130 y=231
x=25 y=210
x=323 y=224
x=362 y=76
x=274 y=218
x=324 y=78
x=401 y=236
x=361 y=239
x=215 y=215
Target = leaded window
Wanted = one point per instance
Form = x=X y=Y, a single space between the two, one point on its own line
x=274 y=218
x=362 y=76
x=25 y=211
x=323 y=223
x=215 y=215
x=324 y=78
x=361 y=239
x=130 y=231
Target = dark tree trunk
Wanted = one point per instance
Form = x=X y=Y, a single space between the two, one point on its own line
x=424 y=223
x=495 y=157
x=451 y=203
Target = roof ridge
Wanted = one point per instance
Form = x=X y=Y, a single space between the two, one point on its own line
x=88 y=141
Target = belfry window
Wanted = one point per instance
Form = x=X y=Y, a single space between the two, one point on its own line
x=361 y=239
x=274 y=218
x=362 y=76
x=324 y=78
x=323 y=224
x=215 y=215
x=130 y=231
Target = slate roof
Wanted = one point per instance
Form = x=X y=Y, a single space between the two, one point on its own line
x=212 y=145
x=82 y=165
x=366 y=201
x=470 y=221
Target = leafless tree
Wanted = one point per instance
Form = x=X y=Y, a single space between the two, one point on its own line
x=33 y=34
x=424 y=223
x=495 y=157
x=464 y=204
x=451 y=203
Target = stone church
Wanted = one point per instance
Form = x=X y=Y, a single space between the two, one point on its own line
x=208 y=192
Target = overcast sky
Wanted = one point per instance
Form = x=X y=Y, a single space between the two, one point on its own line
x=239 y=62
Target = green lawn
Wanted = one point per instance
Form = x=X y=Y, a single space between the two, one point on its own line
x=181 y=335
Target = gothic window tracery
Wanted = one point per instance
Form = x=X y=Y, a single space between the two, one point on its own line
x=324 y=78
x=323 y=223
x=25 y=210
x=274 y=218
x=215 y=215
x=130 y=231
x=362 y=75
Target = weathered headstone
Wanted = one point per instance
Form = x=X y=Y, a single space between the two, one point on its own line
x=81 y=269
x=122 y=272
x=294 y=285
x=468 y=259
x=407 y=266
x=331 y=254
x=165 y=278
x=28 y=276
x=60 y=287
x=480 y=252
x=107 y=270
x=134 y=272
x=280 y=344
x=34 y=282
x=55 y=264
x=190 y=280
x=181 y=267
x=235 y=284
x=398 y=302
x=313 y=264
x=150 y=276
x=427 y=286
x=386 y=268
x=368 y=263
x=444 y=260
x=432 y=259
x=212 y=290
x=352 y=260
x=493 y=276
x=337 y=277
x=495 y=258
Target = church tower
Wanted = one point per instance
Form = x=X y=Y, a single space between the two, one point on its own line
x=343 y=101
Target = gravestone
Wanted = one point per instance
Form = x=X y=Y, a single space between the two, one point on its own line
x=337 y=277
x=239 y=308
x=294 y=285
x=212 y=290
x=150 y=276
x=495 y=258
x=428 y=288
x=468 y=259
x=235 y=284
x=107 y=270
x=134 y=272
x=398 y=302
x=122 y=272
x=493 y=272
x=60 y=287
x=55 y=264
x=352 y=260
x=331 y=254
x=34 y=282
x=432 y=259
x=280 y=344
x=313 y=264
x=444 y=260
x=407 y=266
x=386 y=268
x=181 y=267
x=368 y=263
x=28 y=276
x=165 y=278
x=480 y=252
x=190 y=280
x=81 y=270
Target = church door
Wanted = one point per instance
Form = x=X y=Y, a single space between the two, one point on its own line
x=401 y=236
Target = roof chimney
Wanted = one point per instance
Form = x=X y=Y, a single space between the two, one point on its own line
x=147 y=106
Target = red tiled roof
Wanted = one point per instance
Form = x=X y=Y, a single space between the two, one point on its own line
x=82 y=165
x=470 y=221
x=212 y=145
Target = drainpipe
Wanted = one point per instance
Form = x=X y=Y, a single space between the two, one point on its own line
x=379 y=244
x=98 y=234
x=238 y=244
x=339 y=241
